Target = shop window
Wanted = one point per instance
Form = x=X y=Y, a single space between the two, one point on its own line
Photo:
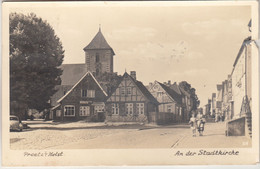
x=84 y=111
x=69 y=110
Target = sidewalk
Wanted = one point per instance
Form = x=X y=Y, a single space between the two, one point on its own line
x=214 y=137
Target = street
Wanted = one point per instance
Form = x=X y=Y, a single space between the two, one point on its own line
x=78 y=135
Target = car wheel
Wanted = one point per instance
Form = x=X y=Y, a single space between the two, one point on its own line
x=21 y=130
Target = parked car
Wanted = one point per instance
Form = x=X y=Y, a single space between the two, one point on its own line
x=15 y=124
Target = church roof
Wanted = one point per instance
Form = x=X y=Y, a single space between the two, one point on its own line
x=98 y=42
x=72 y=73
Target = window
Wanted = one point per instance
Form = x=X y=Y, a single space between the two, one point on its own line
x=159 y=94
x=129 y=108
x=91 y=93
x=99 y=108
x=97 y=71
x=122 y=91
x=140 y=108
x=83 y=93
x=169 y=108
x=84 y=111
x=69 y=110
x=58 y=113
x=97 y=57
x=115 y=108
x=129 y=91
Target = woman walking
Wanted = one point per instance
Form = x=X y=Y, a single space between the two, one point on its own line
x=193 y=124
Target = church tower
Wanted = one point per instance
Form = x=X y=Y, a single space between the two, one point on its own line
x=99 y=55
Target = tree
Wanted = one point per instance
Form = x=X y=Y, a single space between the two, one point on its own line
x=35 y=56
x=192 y=91
x=109 y=80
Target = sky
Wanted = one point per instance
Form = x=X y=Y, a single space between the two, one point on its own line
x=197 y=44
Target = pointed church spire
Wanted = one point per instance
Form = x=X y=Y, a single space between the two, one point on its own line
x=98 y=42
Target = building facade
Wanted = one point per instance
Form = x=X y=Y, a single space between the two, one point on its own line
x=241 y=119
x=186 y=101
x=84 y=101
x=170 y=107
x=131 y=102
x=241 y=78
x=219 y=100
x=213 y=105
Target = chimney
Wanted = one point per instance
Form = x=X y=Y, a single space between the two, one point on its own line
x=150 y=84
x=169 y=82
x=133 y=74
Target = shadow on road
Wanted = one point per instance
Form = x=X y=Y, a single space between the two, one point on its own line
x=87 y=127
x=206 y=135
x=105 y=126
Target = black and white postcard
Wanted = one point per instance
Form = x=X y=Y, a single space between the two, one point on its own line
x=130 y=83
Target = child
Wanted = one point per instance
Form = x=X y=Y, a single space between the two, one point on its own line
x=192 y=123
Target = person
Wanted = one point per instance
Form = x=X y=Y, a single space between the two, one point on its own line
x=200 y=123
x=192 y=123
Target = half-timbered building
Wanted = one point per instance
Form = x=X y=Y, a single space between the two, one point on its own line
x=170 y=108
x=84 y=101
x=131 y=102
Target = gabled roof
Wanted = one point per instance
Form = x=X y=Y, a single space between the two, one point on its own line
x=98 y=42
x=141 y=88
x=176 y=88
x=88 y=73
x=173 y=94
x=72 y=73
